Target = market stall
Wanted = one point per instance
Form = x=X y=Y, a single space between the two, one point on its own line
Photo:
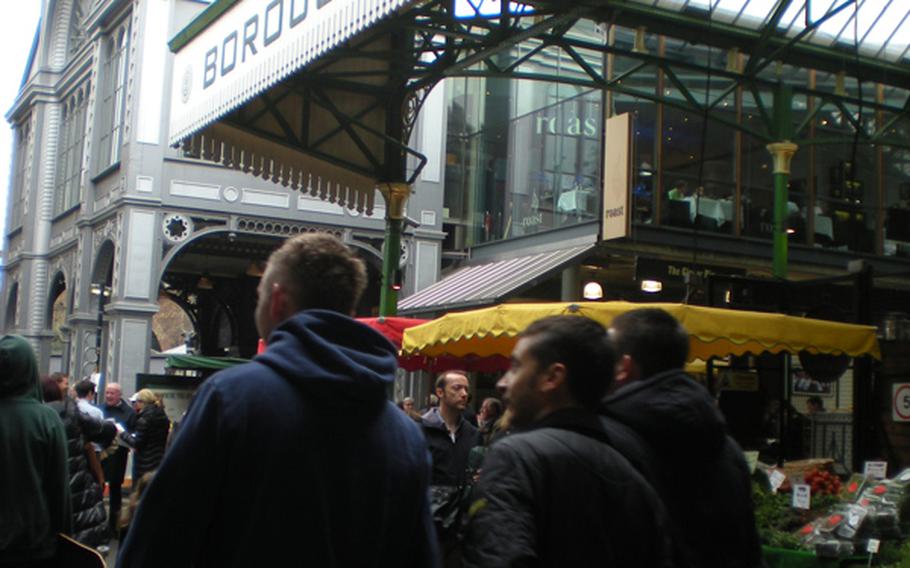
x=485 y=337
x=481 y=340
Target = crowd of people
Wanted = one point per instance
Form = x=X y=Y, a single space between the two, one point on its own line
x=600 y=450
x=62 y=452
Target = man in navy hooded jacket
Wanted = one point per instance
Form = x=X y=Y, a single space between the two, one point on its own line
x=296 y=457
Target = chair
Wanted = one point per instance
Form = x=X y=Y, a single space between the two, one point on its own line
x=678 y=213
x=705 y=223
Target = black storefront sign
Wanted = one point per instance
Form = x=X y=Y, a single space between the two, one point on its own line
x=677 y=272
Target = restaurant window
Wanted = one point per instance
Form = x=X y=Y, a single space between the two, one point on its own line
x=68 y=185
x=698 y=164
x=846 y=196
x=525 y=173
x=758 y=187
x=464 y=104
x=896 y=164
x=113 y=97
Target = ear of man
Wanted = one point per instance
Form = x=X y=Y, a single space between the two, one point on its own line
x=626 y=370
x=553 y=378
x=279 y=303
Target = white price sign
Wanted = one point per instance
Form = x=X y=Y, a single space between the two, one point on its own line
x=802 y=496
x=776 y=478
x=876 y=469
x=900 y=402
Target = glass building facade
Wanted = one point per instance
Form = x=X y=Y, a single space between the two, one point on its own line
x=524 y=155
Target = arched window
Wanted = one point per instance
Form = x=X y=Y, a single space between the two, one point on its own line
x=113 y=97
x=71 y=140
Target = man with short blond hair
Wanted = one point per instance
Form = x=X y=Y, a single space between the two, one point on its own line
x=297 y=456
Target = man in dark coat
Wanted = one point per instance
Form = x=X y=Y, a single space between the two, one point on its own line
x=450 y=436
x=34 y=492
x=296 y=456
x=669 y=428
x=114 y=464
x=555 y=493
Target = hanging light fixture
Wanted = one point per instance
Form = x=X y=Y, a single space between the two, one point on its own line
x=205 y=283
x=254 y=269
x=651 y=286
x=593 y=291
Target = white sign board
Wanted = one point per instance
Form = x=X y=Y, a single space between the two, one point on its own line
x=776 y=478
x=900 y=402
x=802 y=496
x=252 y=46
x=876 y=469
x=617 y=176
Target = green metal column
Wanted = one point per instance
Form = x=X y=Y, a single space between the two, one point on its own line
x=782 y=152
x=396 y=197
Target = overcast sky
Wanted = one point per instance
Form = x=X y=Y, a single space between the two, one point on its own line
x=17 y=30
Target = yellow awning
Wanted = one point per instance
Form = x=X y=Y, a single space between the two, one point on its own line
x=714 y=332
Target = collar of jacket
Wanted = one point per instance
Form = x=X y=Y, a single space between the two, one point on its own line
x=635 y=387
x=433 y=419
x=578 y=420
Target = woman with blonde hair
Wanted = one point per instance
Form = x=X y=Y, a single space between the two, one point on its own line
x=149 y=437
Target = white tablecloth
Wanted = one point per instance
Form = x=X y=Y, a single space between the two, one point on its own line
x=824 y=226
x=574 y=201
x=721 y=210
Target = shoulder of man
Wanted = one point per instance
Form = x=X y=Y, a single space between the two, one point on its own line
x=432 y=421
x=467 y=428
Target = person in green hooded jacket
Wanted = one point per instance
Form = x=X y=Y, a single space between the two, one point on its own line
x=34 y=489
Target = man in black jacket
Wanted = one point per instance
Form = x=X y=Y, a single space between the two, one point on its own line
x=669 y=428
x=449 y=435
x=557 y=494
x=450 y=438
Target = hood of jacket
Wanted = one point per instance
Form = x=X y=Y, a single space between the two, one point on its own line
x=336 y=359
x=672 y=412
x=18 y=369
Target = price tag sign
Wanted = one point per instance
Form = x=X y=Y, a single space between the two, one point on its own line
x=872 y=546
x=876 y=469
x=777 y=479
x=802 y=496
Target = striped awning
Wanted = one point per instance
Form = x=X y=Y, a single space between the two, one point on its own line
x=490 y=282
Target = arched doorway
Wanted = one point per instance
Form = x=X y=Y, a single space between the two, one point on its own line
x=100 y=292
x=172 y=326
x=57 y=310
x=213 y=278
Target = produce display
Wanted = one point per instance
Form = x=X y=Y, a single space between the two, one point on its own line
x=843 y=516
